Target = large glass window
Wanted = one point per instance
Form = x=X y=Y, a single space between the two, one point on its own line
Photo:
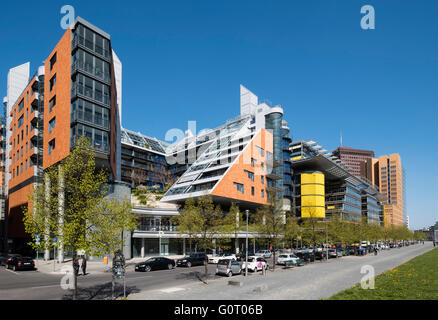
x=91 y=89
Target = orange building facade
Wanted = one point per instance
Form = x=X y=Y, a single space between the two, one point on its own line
x=73 y=94
x=387 y=173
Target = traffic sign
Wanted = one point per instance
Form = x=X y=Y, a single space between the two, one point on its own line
x=37 y=239
x=55 y=240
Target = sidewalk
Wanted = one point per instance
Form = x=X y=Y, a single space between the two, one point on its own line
x=95 y=267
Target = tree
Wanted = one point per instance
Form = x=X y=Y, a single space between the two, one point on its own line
x=188 y=220
x=233 y=224
x=292 y=228
x=138 y=176
x=210 y=224
x=69 y=204
x=270 y=222
x=313 y=228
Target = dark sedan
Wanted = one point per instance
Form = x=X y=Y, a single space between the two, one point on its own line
x=4 y=259
x=194 y=259
x=306 y=256
x=20 y=263
x=158 y=263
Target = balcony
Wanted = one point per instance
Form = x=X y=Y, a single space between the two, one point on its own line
x=88 y=69
x=85 y=44
x=78 y=90
x=90 y=119
x=35 y=100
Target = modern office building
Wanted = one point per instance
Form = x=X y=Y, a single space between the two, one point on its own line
x=323 y=186
x=238 y=162
x=353 y=158
x=388 y=174
x=74 y=93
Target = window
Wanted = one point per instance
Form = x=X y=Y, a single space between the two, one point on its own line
x=239 y=187
x=20 y=106
x=250 y=175
x=26 y=147
x=25 y=167
x=263 y=179
x=20 y=121
x=52 y=103
x=252 y=191
x=253 y=162
x=52 y=124
x=52 y=61
x=51 y=146
x=263 y=165
x=52 y=82
x=263 y=193
x=21 y=168
x=261 y=151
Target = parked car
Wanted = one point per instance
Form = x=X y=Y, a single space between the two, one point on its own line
x=320 y=255
x=306 y=256
x=20 y=263
x=155 y=263
x=286 y=257
x=228 y=267
x=5 y=258
x=194 y=259
x=264 y=253
x=255 y=263
x=226 y=256
x=332 y=253
x=241 y=256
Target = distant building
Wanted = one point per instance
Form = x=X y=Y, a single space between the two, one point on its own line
x=324 y=185
x=353 y=158
x=387 y=172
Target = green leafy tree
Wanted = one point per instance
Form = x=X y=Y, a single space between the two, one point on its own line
x=211 y=225
x=313 y=228
x=69 y=204
x=232 y=225
x=188 y=221
x=270 y=222
x=292 y=228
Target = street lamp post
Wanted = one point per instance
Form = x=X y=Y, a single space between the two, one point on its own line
x=246 y=256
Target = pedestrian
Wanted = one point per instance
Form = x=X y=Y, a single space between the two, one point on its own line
x=375 y=251
x=84 y=266
x=434 y=243
x=76 y=266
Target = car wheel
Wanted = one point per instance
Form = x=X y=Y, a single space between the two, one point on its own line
x=147 y=268
x=169 y=266
x=189 y=264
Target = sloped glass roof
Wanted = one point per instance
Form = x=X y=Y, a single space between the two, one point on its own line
x=142 y=141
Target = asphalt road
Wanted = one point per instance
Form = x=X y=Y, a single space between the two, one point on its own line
x=41 y=286
x=313 y=281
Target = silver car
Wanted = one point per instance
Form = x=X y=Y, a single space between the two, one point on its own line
x=228 y=267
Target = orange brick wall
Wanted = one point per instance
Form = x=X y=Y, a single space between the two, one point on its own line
x=236 y=173
x=61 y=111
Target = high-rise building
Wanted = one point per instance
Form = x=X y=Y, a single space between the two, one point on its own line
x=387 y=172
x=74 y=93
x=353 y=158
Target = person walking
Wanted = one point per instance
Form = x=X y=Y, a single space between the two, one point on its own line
x=84 y=266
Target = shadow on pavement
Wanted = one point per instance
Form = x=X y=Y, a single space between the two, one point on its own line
x=195 y=275
x=101 y=292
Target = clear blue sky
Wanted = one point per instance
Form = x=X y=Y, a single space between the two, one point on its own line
x=184 y=60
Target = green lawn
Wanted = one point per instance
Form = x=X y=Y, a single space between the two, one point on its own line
x=414 y=280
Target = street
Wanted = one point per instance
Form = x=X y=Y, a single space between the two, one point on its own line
x=313 y=281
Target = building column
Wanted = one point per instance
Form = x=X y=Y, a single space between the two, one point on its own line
x=61 y=214
x=47 y=232
x=142 y=248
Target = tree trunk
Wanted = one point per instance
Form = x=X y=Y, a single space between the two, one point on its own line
x=206 y=267
x=75 y=279
x=273 y=263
